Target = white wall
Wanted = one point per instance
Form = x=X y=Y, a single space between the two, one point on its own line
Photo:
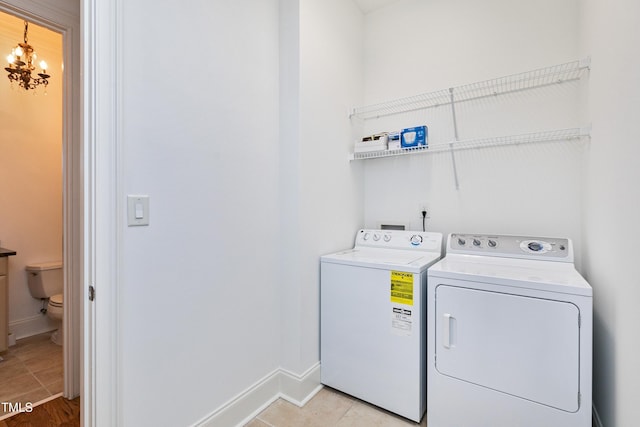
x=199 y=288
x=593 y=187
x=31 y=172
x=290 y=291
x=416 y=46
x=323 y=200
x=612 y=205
x=249 y=183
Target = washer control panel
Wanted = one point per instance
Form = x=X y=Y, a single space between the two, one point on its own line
x=552 y=249
x=399 y=239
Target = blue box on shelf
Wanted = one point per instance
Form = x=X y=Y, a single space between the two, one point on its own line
x=413 y=137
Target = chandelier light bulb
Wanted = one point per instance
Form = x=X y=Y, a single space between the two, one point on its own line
x=43 y=65
x=10 y=59
x=18 y=51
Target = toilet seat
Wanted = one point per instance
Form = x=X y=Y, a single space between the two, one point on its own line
x=55 y=307
x=56 y=300
x=55 y=311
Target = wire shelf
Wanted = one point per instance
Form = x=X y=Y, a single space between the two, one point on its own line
x=557 y=74
x=561 y=135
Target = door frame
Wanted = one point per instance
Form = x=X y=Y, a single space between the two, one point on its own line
x=102 y=95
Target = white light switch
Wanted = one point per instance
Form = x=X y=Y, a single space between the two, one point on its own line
x=138 y=210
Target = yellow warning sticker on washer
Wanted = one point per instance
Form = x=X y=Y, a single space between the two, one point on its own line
x=402 y=287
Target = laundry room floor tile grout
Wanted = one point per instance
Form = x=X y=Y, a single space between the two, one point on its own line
x=329 y=408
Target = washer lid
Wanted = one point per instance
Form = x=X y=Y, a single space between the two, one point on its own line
x=411 y=261
x=540 y=275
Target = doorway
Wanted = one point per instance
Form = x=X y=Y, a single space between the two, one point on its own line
x=63 y=17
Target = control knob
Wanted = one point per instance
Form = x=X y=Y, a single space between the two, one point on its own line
x=461 y=241
x=376 y=237
x=492 y=243
x=387 y=237
x=416 y=239
x=366 y=236
x=476 y=242
x=535 y=246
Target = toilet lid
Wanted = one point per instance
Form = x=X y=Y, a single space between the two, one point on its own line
x=56 y=299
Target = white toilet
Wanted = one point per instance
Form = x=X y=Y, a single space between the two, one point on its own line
x=46 y=281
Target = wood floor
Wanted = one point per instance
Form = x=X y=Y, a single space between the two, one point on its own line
x=58 y=412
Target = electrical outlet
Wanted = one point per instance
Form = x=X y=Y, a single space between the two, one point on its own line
x=424 y=207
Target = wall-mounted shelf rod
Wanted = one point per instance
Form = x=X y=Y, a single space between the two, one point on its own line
x=455 y=140
x=561 y=135
x=557 y=74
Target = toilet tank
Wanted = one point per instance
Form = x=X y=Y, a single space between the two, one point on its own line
x=45 y=279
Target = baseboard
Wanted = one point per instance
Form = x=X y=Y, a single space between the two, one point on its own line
x=298 y=389
x=30 y=326
x=238 y=411
x=597 y=422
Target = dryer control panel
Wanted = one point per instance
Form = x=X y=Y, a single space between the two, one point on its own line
x=526 y=247
x=399 y=239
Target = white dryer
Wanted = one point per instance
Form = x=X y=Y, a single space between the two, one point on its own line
x=509 y=335
x=373 y=318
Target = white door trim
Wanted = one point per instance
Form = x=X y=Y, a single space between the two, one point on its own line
x=102 y=95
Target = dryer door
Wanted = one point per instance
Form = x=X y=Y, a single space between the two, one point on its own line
x=523 y=346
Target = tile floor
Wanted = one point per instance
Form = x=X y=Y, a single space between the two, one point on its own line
x=329 y=408
x=31 y=371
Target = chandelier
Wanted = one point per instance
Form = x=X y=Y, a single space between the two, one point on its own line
x=21 y=65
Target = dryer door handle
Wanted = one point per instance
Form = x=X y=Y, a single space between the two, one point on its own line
x=446 y=330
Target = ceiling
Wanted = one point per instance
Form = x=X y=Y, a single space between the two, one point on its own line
x=12 y=32
x=370 y=5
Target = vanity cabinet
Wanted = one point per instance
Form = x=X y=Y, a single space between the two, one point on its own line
x=4 y=298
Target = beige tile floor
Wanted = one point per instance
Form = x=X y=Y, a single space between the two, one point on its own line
x=329 y=408
x=31 y=370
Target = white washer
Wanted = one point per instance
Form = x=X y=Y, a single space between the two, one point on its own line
x=509 y=335
x=372 y=318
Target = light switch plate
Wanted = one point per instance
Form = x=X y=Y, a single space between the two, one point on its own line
x=137 y=210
